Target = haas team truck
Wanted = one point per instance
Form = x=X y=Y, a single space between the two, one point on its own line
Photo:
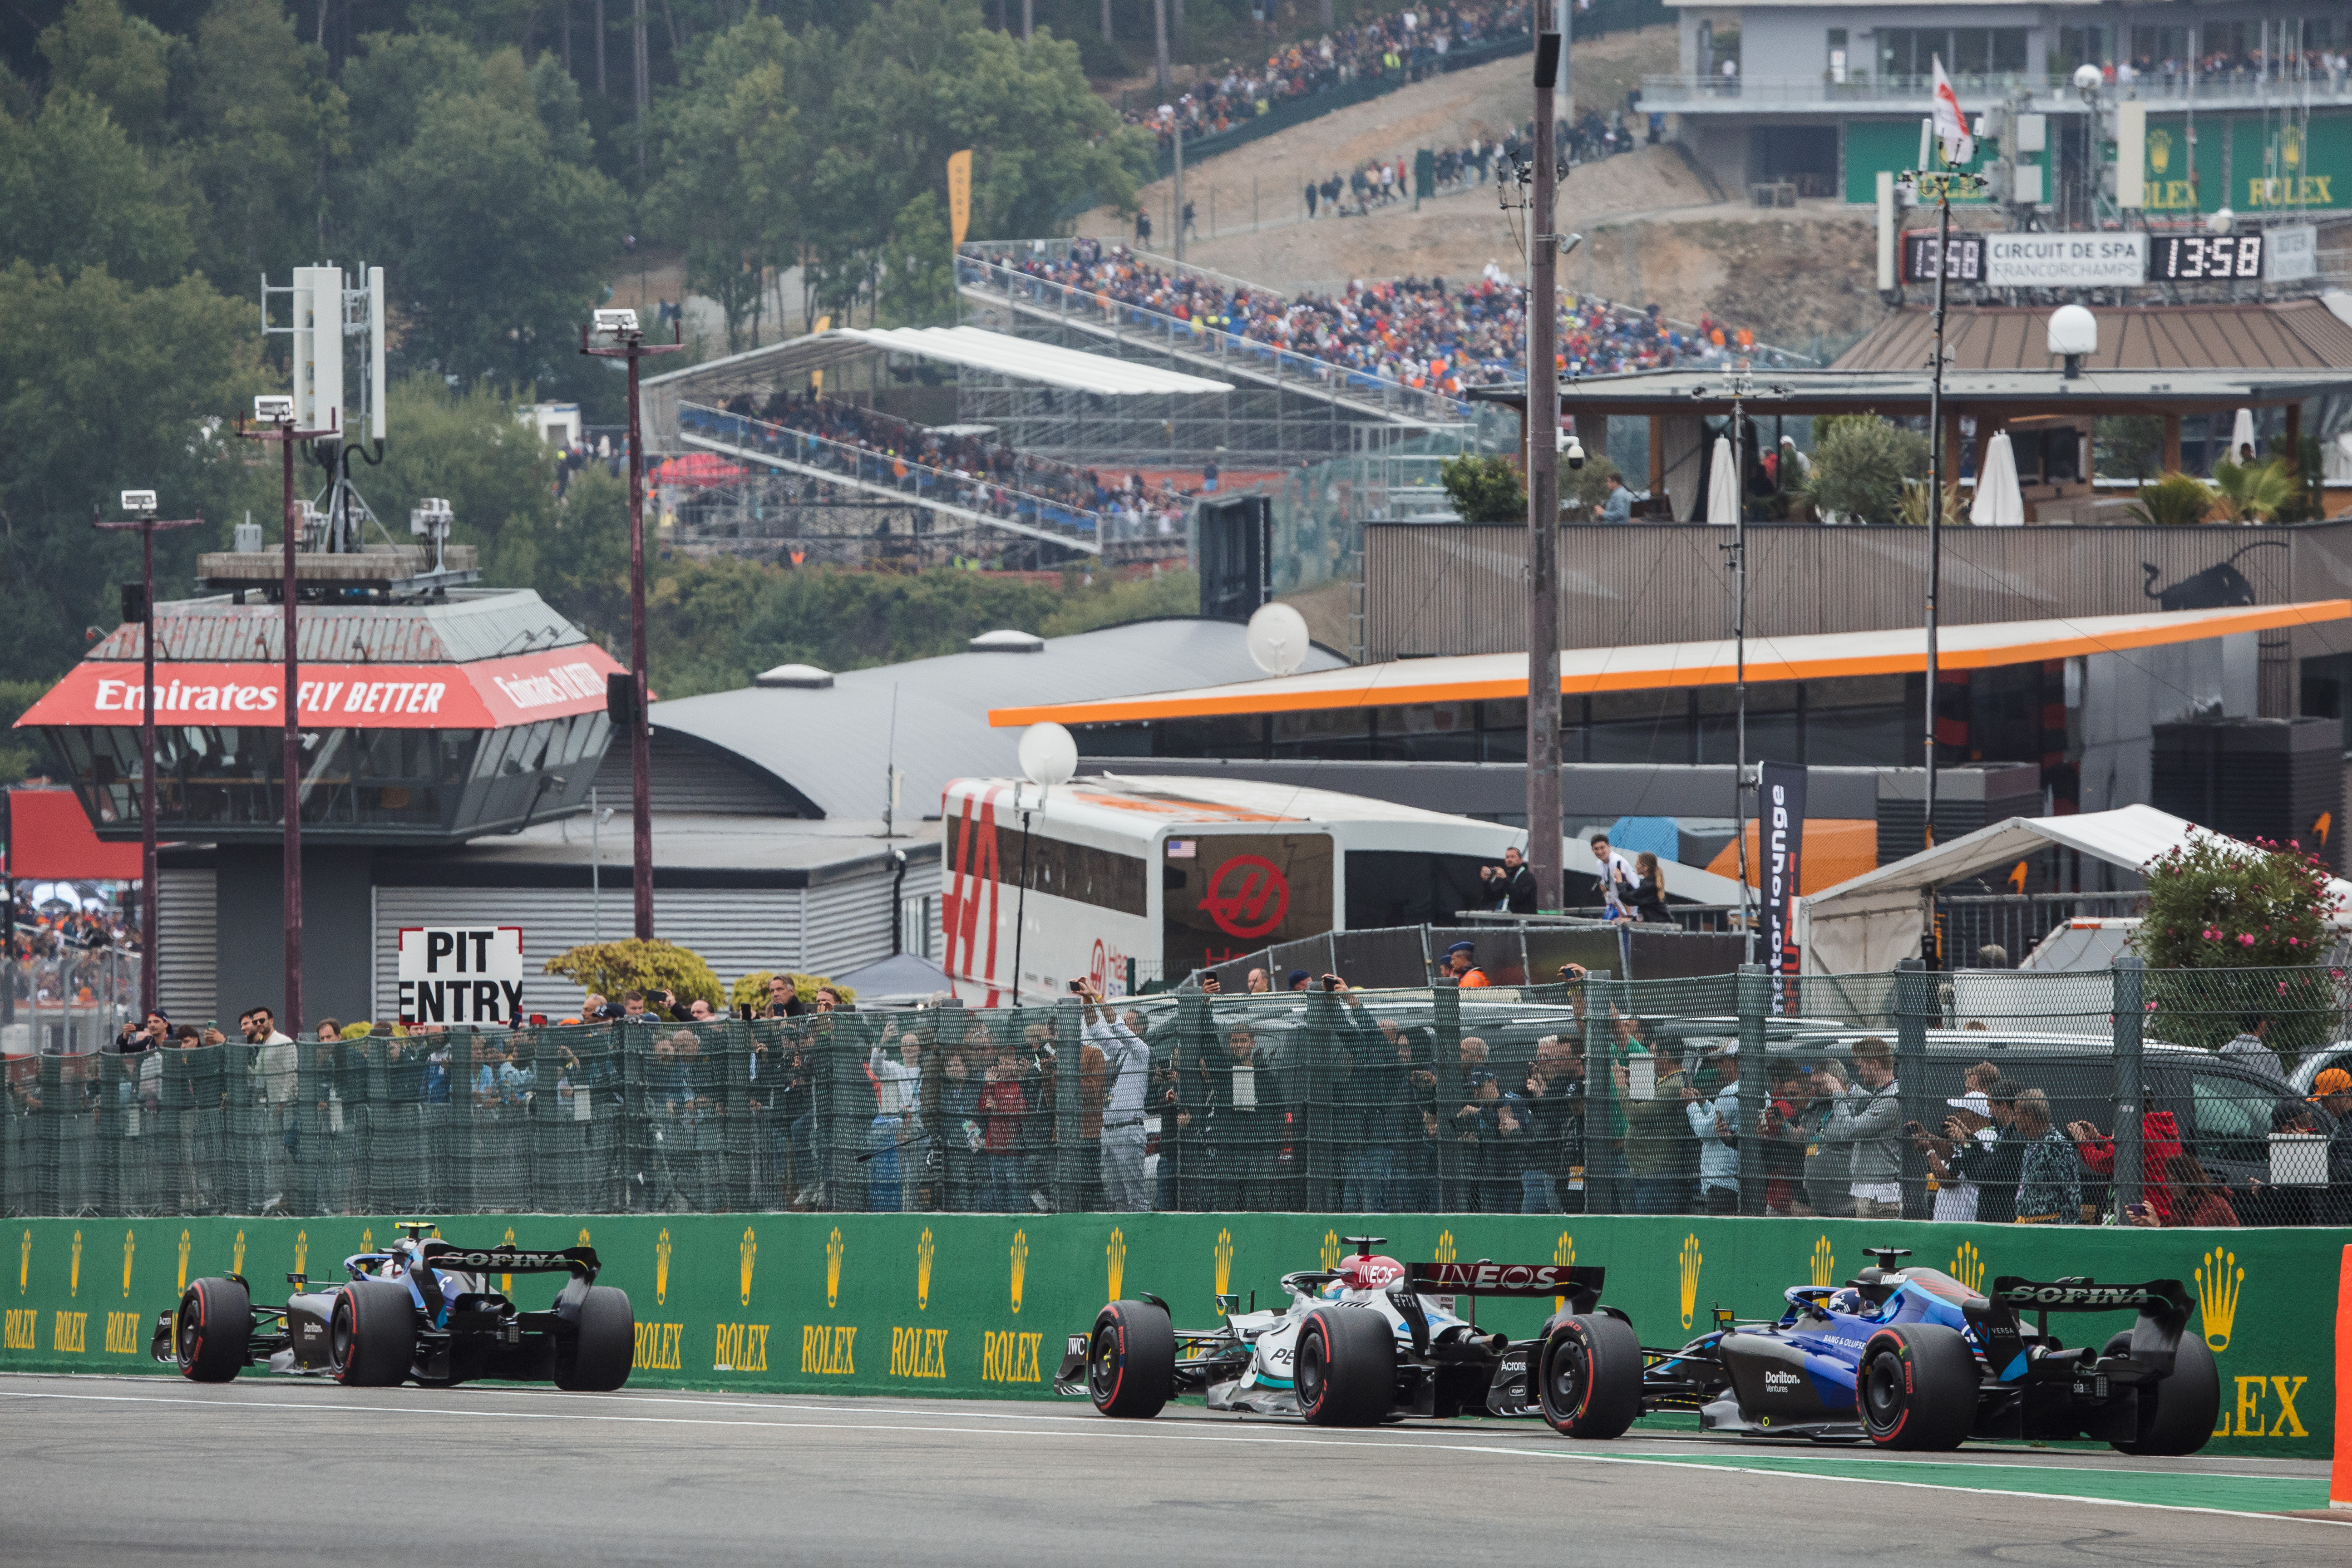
x=1154 y=877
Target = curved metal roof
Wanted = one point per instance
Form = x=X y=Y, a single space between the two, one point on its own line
x=834 y=745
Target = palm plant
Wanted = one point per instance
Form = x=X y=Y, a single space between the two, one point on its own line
x=1913 y=508
x=2175 y=500
x=2255 y=491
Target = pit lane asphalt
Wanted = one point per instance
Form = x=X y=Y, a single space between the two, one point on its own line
x=114 y=1469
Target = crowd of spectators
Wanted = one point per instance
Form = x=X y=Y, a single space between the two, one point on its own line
x=2251 y=64
x=68 y=957
x=1409 y=42
x=977 y=473
x=1424 y=334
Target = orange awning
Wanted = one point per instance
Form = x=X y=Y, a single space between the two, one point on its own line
x=1493 y=677
x=50 y=840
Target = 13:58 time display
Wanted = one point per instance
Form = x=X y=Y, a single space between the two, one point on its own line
x=2187 y=257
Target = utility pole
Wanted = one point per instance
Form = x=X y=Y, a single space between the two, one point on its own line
x=1159 y=35
x=1544 y=824
x=274 y=421
x=628 y=344
x=1176 y=207
x=142 y=504
x=600 y=48
x=644 y=93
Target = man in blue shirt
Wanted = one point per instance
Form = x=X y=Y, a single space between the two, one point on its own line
x=1619 y=507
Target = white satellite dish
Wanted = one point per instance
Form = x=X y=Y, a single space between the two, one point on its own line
x=1278 y=639
x=1048 y=755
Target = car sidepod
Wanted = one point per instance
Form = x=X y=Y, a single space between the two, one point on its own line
x=1781 y=1383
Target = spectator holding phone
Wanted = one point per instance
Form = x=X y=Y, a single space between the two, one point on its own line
x=1511 y=885
x=1866 y=1119
x=1714 y=1123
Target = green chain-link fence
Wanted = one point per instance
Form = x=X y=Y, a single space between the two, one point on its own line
x=2111 y=1096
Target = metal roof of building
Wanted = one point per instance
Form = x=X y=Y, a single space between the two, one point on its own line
x=471 y=623
x=833 y=745
x=2287 y=334
x=2009 y=393
x=1495 y=677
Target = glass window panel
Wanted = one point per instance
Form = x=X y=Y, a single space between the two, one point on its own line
x=1430 y=733
x=1639 y=727
x=1335 y=734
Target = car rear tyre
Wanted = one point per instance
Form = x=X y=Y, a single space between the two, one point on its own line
x=2175 y=1413
x=212 y=1330
x=596 y=1359
x=371 y=1340
x=1917 y=1387
x=1589 y=1376
x=1346 y=1367
x=1131 y=1360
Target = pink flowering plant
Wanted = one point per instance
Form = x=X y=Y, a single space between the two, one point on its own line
x=2264 y=915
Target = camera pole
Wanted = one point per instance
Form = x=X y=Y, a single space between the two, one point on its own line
x=147 y=524
x=291 y=789
x=628 y=344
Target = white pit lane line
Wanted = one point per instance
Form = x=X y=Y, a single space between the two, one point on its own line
x=1140 y=1431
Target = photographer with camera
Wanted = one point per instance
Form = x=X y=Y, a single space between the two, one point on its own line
x=1119 y=1062
x=1512 y=885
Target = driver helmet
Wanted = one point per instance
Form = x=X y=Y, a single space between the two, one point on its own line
x=1845 y=1299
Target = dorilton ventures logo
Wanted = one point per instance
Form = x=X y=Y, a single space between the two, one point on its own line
x=2218 y=1280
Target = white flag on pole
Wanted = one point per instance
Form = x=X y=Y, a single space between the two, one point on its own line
x=1951 y=125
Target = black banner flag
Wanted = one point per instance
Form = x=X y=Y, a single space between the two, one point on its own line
x=1780 y=795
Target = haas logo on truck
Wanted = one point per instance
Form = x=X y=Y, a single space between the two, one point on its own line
x=1248 y=896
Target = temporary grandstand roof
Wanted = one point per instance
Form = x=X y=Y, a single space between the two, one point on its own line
x=1869 y=924
x=1491 y=677
x=1022 y=359
x=2011 y=393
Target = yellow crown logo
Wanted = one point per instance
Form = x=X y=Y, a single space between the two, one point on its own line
x=73 y=1280
x=2159 y=149
x=237 y=1255
x=1020 y=1264
x=506 y=1281
x=129 y=1246
x=2289 y=146
x=367 y=1239
x=1690 y=1261
x=750 y=1251
x=2219 y=1279
x=1563 y=1254
x=661 y=1269
x=1224 y=1256
x=1968 y=1266
x=1445 y=1246
x=301 y=1251
x=185 y=1247
x=1330 y=1250
x=1115 y=1254
x=25 y=1263
x=925 y=1251
x=1824 y=1263
x=832 y=1250
x=583 y=1235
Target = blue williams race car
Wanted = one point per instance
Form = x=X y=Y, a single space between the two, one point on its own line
x=421 y=1310
x=1911 y=1358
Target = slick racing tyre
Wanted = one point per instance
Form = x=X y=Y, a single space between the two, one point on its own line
x=2175 y=1413
x=373 y=1337
x=1916 y=1386
x=1346 y=1367
x=212 y=1329
x=1589 y=1376
x=1131 y=1360
x=596 y=1360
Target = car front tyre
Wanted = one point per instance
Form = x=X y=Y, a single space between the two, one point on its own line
x=212 y=1330
x=1131 y=1360
x=1346 y=1367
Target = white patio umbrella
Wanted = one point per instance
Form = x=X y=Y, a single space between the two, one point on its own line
x=2000 y=503
x=2242 y=436
x=1723 y=485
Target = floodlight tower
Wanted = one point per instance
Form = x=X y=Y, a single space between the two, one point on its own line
x=139 y=604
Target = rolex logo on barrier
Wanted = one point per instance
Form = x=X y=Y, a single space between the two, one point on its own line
x=2218 y=1280
x=1690 y=1262
x=506 y=1281
x=184 y=1248
x=1968 y=1266
x=1020 y=1265
x=832 y=1250
x=925 y=1251
x=661 y=1269
x=1824 y=1267
x=302 y=1252
x=1224 y=1257
x=236 y=1255
x=583 y=1235
x=24 y=1263
x=129 y=1246
x=1563 y=1254
x=1445 y=1246
x=751 y=1252
x=1330 y=1250
x=367 y=1238
x=73 y=1280
x=1114 y=1254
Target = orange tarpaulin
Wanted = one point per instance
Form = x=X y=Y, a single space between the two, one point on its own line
x=50 y=840
x=1837 y=849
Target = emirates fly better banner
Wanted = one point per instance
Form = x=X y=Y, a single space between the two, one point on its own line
x=1780 y=795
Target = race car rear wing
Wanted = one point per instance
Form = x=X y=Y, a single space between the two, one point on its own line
x=1580 y=1283
x=2163 y=1305
x=580 y=1262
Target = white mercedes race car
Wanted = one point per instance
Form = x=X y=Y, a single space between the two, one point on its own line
x=1372 y=1341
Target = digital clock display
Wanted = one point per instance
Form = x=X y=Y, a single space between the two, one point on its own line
x=2195 y=257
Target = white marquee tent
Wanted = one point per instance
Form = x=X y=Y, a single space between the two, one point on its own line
x=1870 y=923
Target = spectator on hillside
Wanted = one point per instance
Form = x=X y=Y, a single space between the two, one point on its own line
x=1249 y=1111
x=1867 y=1119
x=1827 y=1184
x=2160 y=1147
x=783 y=1001
x=1784 y=1159
x=1003 y=1110
x=1660 y=1149
x=1714 y=1123
x=2050 y=1176
x=1127 y=1074
x=1968 y=1125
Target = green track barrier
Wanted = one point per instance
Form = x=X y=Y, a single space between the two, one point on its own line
x=967 y=1305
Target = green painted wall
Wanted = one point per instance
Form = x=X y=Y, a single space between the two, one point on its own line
x=962 y=1304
